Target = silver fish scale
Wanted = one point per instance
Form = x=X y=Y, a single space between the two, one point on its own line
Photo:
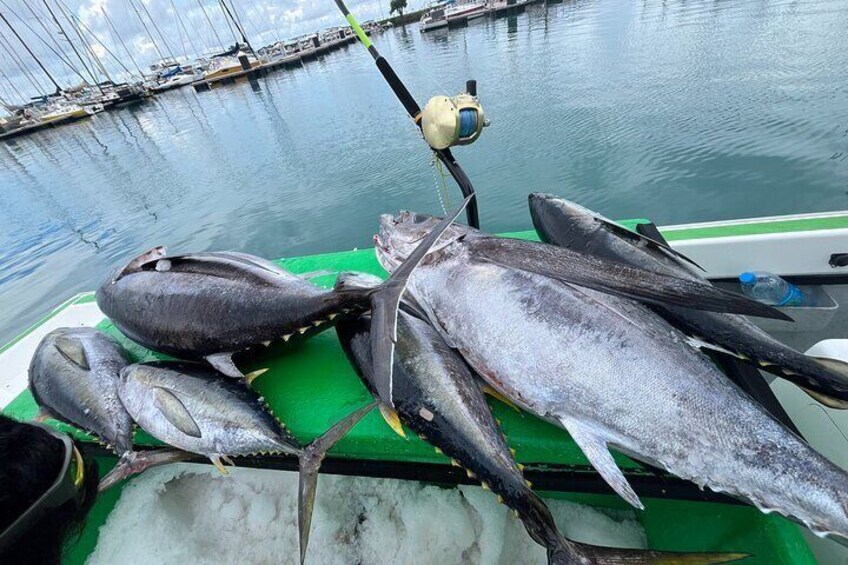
x=228 y=423
x=616 y=369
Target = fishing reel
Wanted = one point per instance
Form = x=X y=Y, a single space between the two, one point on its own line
x=446 y=121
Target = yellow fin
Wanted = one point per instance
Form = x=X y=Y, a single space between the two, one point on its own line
x=829 y=401
x=218 y=465
x=250 y=377
x=392 y=419
x=497 y=394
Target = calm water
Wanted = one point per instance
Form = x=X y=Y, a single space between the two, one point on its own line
x=677 y=111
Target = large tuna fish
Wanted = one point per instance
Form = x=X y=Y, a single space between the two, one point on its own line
x=189 y=406
x=613 y=374
x=73 y=377
x=570 y=225
x=212 y=305
x=437 y=395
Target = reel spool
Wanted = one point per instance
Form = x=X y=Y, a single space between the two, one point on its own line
x=446 y=121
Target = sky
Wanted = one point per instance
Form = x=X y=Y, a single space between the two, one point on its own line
x=265 y=21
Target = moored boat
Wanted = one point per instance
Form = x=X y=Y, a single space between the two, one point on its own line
x=447 y=14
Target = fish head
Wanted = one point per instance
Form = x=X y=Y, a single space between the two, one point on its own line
x=400 y=234
x=552 y=213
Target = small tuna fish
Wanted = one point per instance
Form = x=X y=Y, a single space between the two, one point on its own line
x=437 y=395
x=570 y=225
x=189 y=406
x=613 y=374
x=212 y=305
x=73 y=377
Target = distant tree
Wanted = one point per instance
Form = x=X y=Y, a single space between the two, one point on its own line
x=397 y=6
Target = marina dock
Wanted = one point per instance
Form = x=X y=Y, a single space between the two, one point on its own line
x=239 y=62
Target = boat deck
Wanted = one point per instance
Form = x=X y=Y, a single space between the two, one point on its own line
x=310 y=385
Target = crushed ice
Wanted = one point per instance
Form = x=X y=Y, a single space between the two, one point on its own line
x=191 y=514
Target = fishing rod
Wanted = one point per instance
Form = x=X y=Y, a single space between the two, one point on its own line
x=444 y=122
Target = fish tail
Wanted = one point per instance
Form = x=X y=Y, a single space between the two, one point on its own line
x=563 y=551
x=385 y=301
x=310 y=463
x=583 y=553
x=835 y=369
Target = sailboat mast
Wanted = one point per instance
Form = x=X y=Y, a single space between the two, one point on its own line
x=20 y=64
x=71 y=43
x=209 y=21
x=40 y=64
x=180 y=24
x=236 y=23
x=114 y=31
x=144 y=25
x=228 y=22
x=55 y=48
x=98 y=63
x=162 y=37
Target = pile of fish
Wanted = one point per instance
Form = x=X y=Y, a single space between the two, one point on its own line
x=599 y=331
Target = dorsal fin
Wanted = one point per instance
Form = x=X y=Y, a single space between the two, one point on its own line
x=230 y=265
x=72 y=350
x=146 y=258
x=175 y=411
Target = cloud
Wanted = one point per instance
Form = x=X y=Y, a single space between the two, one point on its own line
x=170 y=27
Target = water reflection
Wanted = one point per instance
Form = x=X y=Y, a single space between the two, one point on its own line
x=676 y=111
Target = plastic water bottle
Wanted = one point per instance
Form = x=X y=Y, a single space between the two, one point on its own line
x=769 y=288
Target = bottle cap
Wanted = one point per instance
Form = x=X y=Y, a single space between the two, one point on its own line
x=748 y=278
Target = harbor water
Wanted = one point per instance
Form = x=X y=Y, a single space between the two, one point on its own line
x=675 y=111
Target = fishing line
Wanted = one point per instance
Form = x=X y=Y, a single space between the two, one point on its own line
x=414 y=111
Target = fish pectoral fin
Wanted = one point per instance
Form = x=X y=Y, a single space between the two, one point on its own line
x=624 y=233
x=494 y=393
x=698 y=343
x=72 y=350
x=315 y=274
x=610 y=277
x=595 y=449
x=310 y=463
x=223 y=363
x=175 y=411
x=134 y=462
x=392 y=419
x=385 y=301
x=44 y=414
